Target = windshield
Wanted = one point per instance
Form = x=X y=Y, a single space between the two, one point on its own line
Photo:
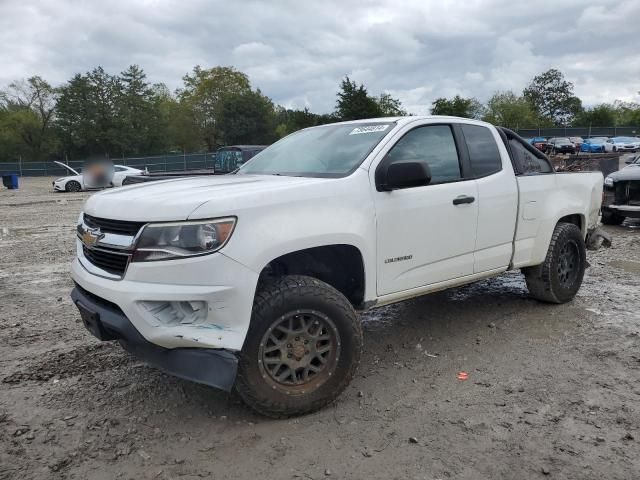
x=327 y=151
x=623 y=139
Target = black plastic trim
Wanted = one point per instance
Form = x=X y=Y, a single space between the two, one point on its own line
x=216 y=368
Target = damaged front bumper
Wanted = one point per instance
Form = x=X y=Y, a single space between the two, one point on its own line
x=596 y=238
x=106 y=321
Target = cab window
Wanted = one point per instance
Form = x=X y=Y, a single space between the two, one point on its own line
x=527 y=161
x=433 y=144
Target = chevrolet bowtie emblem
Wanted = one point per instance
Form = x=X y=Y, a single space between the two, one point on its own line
x=91 y=236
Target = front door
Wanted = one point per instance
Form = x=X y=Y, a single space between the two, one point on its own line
x=426 y=234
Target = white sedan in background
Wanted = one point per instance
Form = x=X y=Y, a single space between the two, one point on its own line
x=622 y=144
x=75 y=183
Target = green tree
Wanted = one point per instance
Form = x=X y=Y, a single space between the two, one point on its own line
x=89 y=115
x=179 y=124
x=508 y=110
x=551 y=96
x=204 y=93
x=354 y=103
x=389 y=106
x=289 y=121
x=628 y=113
x=603 y=115
x=27 y=121
x=140 y=121
x=247 y=118
x=457 y=107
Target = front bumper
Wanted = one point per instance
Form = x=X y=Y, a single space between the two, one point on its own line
x=150 y=293
x=106 y=321
x=631 y=211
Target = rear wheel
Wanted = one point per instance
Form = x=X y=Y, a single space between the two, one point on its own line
x=558 y=279
x=610 y=218
x=73 y=186
x=302 y=349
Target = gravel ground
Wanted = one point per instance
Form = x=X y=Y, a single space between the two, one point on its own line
x=553 y=391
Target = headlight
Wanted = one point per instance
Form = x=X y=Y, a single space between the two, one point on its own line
x=167 y=241
x=608 y=182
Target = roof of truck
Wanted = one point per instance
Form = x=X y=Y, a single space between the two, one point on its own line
x=408 y=118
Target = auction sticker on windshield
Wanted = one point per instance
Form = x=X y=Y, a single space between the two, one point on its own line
x=368 y=129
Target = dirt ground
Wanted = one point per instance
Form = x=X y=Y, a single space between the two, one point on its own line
x=553 y=391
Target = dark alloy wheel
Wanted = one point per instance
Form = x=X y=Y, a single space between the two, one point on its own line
x=558 y=278
x=299 y=352
x=302 y=348
x=568 y=264
x=73 y=186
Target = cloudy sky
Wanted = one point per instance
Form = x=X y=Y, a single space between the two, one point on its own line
x=297 y=51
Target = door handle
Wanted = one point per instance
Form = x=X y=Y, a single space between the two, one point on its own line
x=463 y=199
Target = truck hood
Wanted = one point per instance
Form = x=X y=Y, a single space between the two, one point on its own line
x=177 y=199
x=630 y=172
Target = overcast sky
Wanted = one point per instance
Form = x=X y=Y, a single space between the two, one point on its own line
x=297 y=51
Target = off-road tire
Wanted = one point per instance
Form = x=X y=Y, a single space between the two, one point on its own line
x=73 y=186
x=281 y=297
x=544 y=280
x=610 y=218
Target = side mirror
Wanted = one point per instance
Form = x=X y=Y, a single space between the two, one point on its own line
x=628 y=161
x=404 y=175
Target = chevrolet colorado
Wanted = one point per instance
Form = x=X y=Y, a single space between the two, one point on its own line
x=253 y=279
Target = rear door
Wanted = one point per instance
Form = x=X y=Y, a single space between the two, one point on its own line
x=426 y=234
x=497 y=196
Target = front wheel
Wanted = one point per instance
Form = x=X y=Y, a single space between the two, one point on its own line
x=73 y=186
x=558 y=279
x=302 y=349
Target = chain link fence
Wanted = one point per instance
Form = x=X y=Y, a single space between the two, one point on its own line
x=584 y=132
x=157 y=163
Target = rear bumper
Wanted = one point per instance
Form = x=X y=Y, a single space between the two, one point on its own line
x=213 y=367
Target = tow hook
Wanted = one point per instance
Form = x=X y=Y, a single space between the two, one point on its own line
x=596 y=238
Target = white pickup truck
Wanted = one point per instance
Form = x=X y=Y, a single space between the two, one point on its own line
x=253 y=279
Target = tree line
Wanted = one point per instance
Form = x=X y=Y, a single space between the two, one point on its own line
x=547 y=101
x=101 y=114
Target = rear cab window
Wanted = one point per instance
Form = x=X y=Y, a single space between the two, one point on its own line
x=484 y=155
x=526 y=159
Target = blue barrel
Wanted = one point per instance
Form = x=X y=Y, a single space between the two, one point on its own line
x=10 y=180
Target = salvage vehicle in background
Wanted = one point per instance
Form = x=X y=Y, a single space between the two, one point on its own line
x=560 y=145
x=622 y=144
x=577 y=142
x=594 y=145
x=227 y=160
x=232 y=157
x=622 y=194
x=540 y=143
x=76 y=182
x=253 y=279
